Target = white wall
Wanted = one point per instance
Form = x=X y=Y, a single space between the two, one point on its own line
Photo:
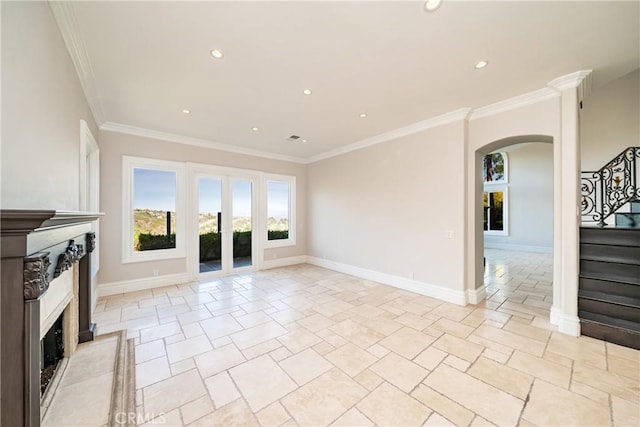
x=610 y=121
x=530 y=202
x=114 y=145
x=42 y=105
x=386 y=208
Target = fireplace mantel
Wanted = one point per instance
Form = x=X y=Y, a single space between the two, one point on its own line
x=36 y=247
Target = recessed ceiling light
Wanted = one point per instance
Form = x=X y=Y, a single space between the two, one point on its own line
x=254 y=129
x=431 y=5
x=216 y=54
x=363 y=115
x=186 y=111
x=304 y=140
x=481 y=64
x=307 y=92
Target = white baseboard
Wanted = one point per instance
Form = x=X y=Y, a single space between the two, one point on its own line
x=114 y=288
x=554 y=316
x=475 y=296
x=283 y=262
x=519 y=248
x=567 y=324
x=427 y=289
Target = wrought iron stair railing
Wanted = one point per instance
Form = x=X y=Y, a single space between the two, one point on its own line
x=608 y=189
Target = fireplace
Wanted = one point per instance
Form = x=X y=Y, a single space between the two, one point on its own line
x=51 y=353
x=45 y=303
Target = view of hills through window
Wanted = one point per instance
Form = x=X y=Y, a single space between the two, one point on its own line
x=154 y=209
x=154 y=200
x=277 y=210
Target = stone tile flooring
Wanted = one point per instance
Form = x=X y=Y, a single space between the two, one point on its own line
x=303 y=345
x=519 y=283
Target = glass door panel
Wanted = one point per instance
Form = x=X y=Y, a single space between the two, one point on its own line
x=210 y=224
x=241 y=191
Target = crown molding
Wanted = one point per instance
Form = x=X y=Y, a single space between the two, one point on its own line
x=443 y=119
x=187 y=140
x=67 y=24
x=572 y=80
x=584 y=89
x=580 y=80
x=514 y=103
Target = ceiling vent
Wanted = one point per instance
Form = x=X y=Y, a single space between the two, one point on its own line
x=293 y=138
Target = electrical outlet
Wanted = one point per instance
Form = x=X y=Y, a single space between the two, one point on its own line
x=449 y=234
x=410 y=275
x=156 y=271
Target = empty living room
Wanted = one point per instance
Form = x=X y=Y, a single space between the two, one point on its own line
x=314 y=213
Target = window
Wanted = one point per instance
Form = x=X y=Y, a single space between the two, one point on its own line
x=494 y=172
x=280 y=218
x=493 y=210
x=493 y=168
x=153 y=213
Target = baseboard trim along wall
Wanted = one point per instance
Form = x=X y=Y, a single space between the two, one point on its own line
x=569 y=325
x=283 y=262
x=566 y=323
x=426 y=289
x=475 y=296
x=519 y=248
x=114 y=288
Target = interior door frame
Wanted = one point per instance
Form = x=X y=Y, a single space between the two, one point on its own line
x=195 y=171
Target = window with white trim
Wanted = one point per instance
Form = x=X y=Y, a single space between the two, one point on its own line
x=495 y=197
x=153 y=210
x=280 y=204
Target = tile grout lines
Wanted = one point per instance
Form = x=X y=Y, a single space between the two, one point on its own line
x=275 y=295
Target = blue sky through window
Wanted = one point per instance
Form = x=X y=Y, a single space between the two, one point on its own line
x=209 y=195
x=154 y=190
x=277 y=199
x=241 y=191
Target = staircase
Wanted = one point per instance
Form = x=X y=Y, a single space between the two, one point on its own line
x=609 y=286
x=609 y=283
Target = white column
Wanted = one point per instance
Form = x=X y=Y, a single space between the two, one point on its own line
x=556 y=307
x=572 y=89
x=473 y=240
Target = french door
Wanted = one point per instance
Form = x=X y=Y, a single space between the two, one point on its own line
x=223 y=218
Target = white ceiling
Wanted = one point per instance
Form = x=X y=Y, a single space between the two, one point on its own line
x=391 y=60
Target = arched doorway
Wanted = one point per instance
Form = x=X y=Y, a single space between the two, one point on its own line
x=518 y=230
x=476 y=254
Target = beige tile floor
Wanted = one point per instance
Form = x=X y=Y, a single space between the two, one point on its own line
x=519 y=283
x=303 y=345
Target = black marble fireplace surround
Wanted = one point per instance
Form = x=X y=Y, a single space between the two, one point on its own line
x=36 y=247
